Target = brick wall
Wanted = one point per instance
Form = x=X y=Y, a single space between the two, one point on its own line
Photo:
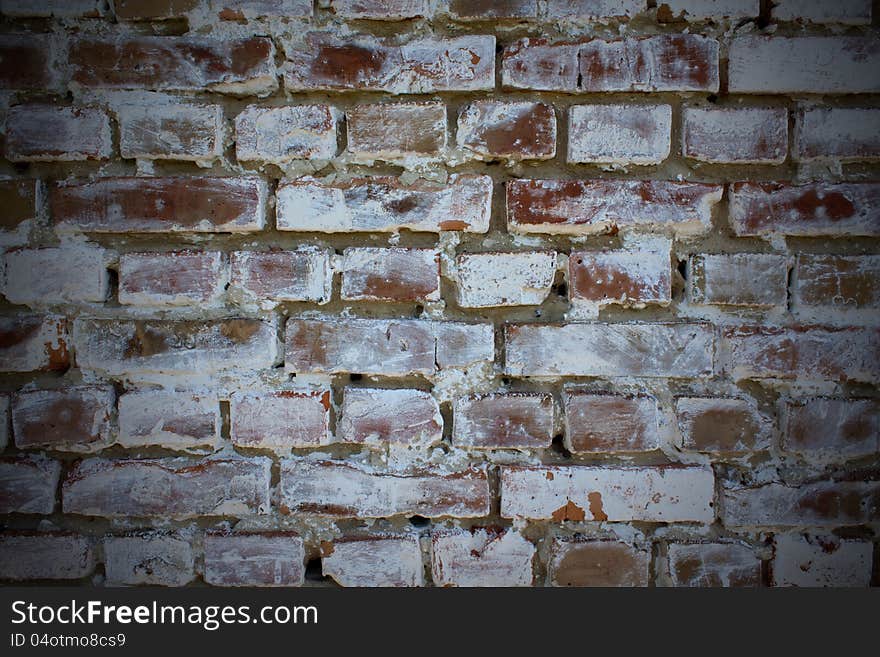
x=435 y=292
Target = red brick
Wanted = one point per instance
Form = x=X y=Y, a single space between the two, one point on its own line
x=385 y=204
x=170 y=419
x=180 y=278
x=504 y=421
x=808 y=64
x=153 y=558
x=300 y=275
x=813 y=561
x=32 y=58
x=246 y=559
x=28 y=484
x=394 y=274
x=632 y=278
x=33 y=556
x=844 y=209
x=29 y=343
x=817 y=504
x=848 y=134
x=377 y=417
x=808 y=353
x=379 y=10
x=382 y=561
x=707 y=10
x=598 y=563
x=846 y=12
x=839 y=282
x=481 y=558
x=159 y=205
x=138 y=10
x=619 y=134
x=540 y=65
x=385 y=347
x=508 y=130
x=235 y=66
x=840 y=428
x=610 y=423
x=604 y=493
x=353 y=491
x=393 y=131
x=667 y=62
x=714 y=564
x=588 y=207
x=280 y=420
x=19 y=201
x=281 y=134
x=324 y=62
x=46 y=133
x=735 y=135
x=74 y=419
x=168 y=131
x=609 y=350
x=69 y=274
x=471 y=10
x=152 y=347
x=176 y=488
x=722 y=426
x=740 y=279
x=593 y=9
x=504 y=279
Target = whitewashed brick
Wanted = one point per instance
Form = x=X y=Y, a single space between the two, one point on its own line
x=30 y=556
x=34 y=343
x=741 y=279
x=279 y=135
x=28 y=484
x=170 y=419
x=504 y=279
x=714 y=564
x=614 y=494
x=598 y=563
x=275 y=559
x=181 y=278
x=725 y=135
x=619 y=134
x=844 y=12
x=4 y=421
x=267 y=277
x=481 y=558
x=68 y=274
x=821 y=561
x=373 y=274
x=396 y=131
x=70 y=419
x=836 y=429
x=701 y=10
x=280 y=420
x=722 y=425
x=47 y=133
x=374 y=416
x=167 y=131
x=375 y=562
x=149 y=559
x=848 y=134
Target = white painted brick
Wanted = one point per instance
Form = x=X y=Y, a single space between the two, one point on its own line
x=615 y=494
x=504 y=279
x=821 y=561
x=268 y=277
x=375 y=562
x=174 y=420
x=47 y=133
x=700 y=10
x=845 y=12
x=619 y=134
x=373 y=416
x=30 y=556
x=280 y=420
x=275 y=559
x=68 y=274
x=481 y=558
x=279 y=135
x=181 y=278
x=724 y=135
x=167 y=131
x=848 y=134
x=149 y=559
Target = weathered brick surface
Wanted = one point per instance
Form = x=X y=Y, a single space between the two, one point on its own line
x=439 y=292
x=173 y=488
x=386 y=561
x=390 y=275
x=588 y=207
x=482 y=558
x=45 y=133
x=598 y=563
x=275 y=559
x=33 y=556
x=614 y=494
x=73 y=419
x=280 y=420
x=714 y=564
x=159 y=205
x=352 y=491
x=610 y=423
x=504 y=421
x=623 y=134
x=382 y=204
x=282 y=134
x=823 y=560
